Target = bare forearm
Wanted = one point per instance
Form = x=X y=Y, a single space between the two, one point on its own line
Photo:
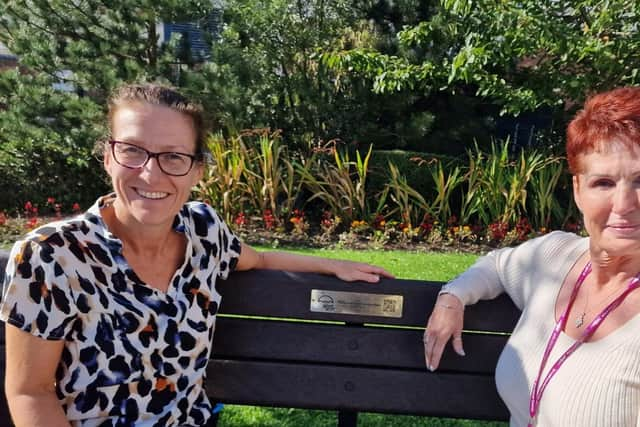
x=345 y=270
x=294 y=262
x=37 y=410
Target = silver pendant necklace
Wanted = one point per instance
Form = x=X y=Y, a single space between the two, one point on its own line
x=585 y=309
x=580 y=319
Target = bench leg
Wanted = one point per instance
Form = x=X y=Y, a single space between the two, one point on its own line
x=213 y=421
x=347 y=419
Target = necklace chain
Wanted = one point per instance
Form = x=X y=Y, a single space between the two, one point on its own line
x=585 y=309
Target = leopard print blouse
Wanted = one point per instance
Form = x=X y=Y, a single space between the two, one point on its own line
x=133 y=355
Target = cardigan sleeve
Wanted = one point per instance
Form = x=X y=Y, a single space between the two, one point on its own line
x=505 y=270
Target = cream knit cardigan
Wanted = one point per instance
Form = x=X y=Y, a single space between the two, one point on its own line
x=599 y=384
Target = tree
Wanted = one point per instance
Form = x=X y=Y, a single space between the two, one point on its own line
x=270 y=47
x=86 y=47
x=522 y=55
x=271 y=55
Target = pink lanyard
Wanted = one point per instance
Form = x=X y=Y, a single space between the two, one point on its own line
x=536 y=392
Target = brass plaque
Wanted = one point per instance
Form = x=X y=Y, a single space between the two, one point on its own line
x=356 y=303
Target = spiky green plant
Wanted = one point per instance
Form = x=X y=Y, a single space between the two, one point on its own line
x=222 y=183
x=409 y=204
x=445 y=183
x=545 y=206
x=340 y=184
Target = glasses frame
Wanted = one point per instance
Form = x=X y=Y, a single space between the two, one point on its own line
x=151 y=155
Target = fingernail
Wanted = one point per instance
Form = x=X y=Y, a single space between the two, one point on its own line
x=431 y=368
x=462 y=353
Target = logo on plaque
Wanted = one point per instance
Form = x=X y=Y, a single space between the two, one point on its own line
x=327 y=303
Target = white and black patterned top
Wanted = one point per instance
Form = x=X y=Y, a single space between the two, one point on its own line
x=133 y=355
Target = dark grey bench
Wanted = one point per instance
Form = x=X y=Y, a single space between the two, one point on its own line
x=271 y=348
x=351 y=362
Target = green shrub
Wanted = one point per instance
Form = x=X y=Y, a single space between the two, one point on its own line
x=33 y=172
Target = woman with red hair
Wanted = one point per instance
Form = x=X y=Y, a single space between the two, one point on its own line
x=574 y=356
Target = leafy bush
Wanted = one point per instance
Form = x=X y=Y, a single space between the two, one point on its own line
x=32 y=171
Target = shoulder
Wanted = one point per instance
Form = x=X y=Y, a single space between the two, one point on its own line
x=549 y=251
x=55 y=233
x=201 y=218
x=555 y=244
x=77 y=237
x=200 y=211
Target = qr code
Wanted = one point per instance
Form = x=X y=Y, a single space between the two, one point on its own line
x=389 y=306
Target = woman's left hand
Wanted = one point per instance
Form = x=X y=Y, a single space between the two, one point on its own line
x=444 y=324
x=350 y=271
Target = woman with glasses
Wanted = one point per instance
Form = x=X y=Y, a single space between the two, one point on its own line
x=110 y=314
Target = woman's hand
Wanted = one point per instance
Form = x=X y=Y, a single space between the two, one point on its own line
x=445 y=322
x=350 y=271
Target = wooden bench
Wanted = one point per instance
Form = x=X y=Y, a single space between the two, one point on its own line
x=286 y=354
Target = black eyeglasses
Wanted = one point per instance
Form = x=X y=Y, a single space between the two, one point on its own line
x=133 y=157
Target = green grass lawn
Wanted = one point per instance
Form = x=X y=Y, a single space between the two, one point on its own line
x=403 y=264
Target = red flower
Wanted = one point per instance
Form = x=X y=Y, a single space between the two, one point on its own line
x=269 y=219
x=3 y=218
x=379 y=222
x=426 y=227
x=572 y=226
x=28 y=206
x=51 y=201
x=523 y=229
x=75 y=207
x=240 y=220
x=31 y=224
x=498 y=230
x=326 y=219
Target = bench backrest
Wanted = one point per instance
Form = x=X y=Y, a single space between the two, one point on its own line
x=350 y=362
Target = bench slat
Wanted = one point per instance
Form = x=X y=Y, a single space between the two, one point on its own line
x=282 y=294
x=360 y=389
x=362 y=345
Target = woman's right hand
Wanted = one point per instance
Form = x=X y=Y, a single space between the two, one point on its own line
x=445 y=323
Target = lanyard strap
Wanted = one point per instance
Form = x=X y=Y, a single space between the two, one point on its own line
x=538 y=389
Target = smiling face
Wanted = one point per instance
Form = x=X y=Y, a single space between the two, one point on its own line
x=147 y=196
x=607 y=191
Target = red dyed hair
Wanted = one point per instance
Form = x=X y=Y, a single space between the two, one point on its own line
x=607 y=118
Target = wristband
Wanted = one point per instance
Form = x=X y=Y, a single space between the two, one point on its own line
x=449 y=306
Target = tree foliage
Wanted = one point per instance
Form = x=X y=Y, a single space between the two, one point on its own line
x=72 y=53
x=272 y=55
x=521 y=54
